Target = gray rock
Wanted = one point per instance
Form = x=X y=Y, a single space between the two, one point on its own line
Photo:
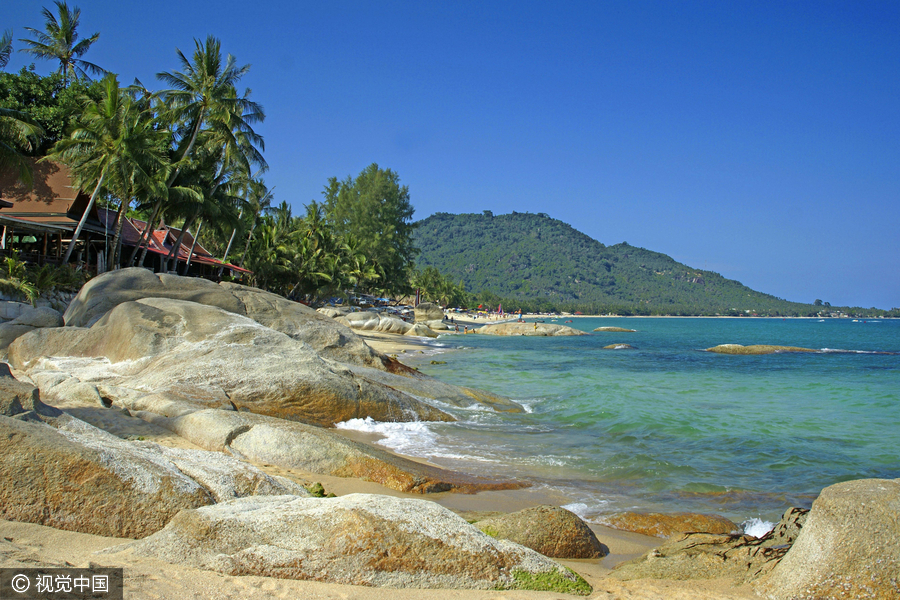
x=372 y=321
x=292 y=445
x=359 y=539
x=9 y=310
x=17 y=398
x=550 y=530
x=9 y=332
x=39 y=317
x=83 y=479
x=529 y=329
x=102 y=293
x=427 y=311
x=323 y=334
x=206 y=355
x=849 y=546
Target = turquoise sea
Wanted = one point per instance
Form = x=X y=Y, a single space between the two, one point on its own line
x=667 y=426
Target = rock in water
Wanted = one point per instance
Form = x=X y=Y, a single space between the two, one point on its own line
x=741 y=558
x=616 y=329
x=756 y=349
x=666 y=525
x=530 y=329
x=292 y=445
x=205 y=355
x=359 y=539
x=550 y=530
x=849 y=546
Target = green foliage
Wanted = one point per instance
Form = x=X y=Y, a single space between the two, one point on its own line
x=48 y=103
x=375 y=210
x=32 y=281
x=435 y=287
x=538 y=264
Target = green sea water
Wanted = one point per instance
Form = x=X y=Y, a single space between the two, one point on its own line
x=667 y=426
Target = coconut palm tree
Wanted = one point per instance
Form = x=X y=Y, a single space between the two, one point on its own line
x=59 y=41
x=112 y=146
x=205 y=92
x=5 y=48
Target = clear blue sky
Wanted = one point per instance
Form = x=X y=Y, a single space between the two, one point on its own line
x=757 y=139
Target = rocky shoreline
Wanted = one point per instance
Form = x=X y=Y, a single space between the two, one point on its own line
x=194 y=418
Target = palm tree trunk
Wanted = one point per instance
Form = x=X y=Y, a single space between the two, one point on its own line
x=187 y=264
x=173 y=253
x=145 y=235
x=84 y=217
x=117 y=238
x=247 y=246
x=228 y=247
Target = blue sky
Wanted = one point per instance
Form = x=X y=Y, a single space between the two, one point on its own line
x=757 y=139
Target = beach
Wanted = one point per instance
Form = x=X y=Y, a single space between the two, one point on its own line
x=524 y=421
x=28 y=545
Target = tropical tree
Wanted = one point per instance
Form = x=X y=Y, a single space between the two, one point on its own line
x=59 y=41
x=18 y=137
x=114 y=146
x=5 y=48
x=376 y=210
x=205 y=91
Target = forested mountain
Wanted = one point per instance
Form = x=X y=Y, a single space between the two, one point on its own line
x=536 y=262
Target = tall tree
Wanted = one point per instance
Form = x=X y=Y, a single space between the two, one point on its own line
x=204 y=90
x=112 y=147
x=375 y=209
x=59 y=41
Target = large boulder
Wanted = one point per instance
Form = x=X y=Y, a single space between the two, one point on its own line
x=740 y=558
x=42 y=316
x=372 y=321
x=427 y=311
x=104 y=292
x=530 y=329
x=292 y=445
x=19 y=398
x=207 y=355
x=849 y=546
x=551 y=530
x=323 y=334
x=84 y=479
x=359 y=539
x=666 y=525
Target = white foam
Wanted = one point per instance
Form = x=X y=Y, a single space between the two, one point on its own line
x=757 y=527
x=579 y=508
x=408 y=438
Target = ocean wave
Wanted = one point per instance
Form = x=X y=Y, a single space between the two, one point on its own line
x=841 y=351
x=408 y=438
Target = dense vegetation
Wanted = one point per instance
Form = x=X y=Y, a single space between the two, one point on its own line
x=187 y=155
x=536 y=263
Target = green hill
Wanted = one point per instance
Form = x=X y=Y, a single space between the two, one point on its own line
x=534 y=262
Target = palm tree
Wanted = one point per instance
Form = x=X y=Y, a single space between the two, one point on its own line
x=58 y=42
x=18 y=137
x=205 y=91
x=5 y=48
x=112 y=146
